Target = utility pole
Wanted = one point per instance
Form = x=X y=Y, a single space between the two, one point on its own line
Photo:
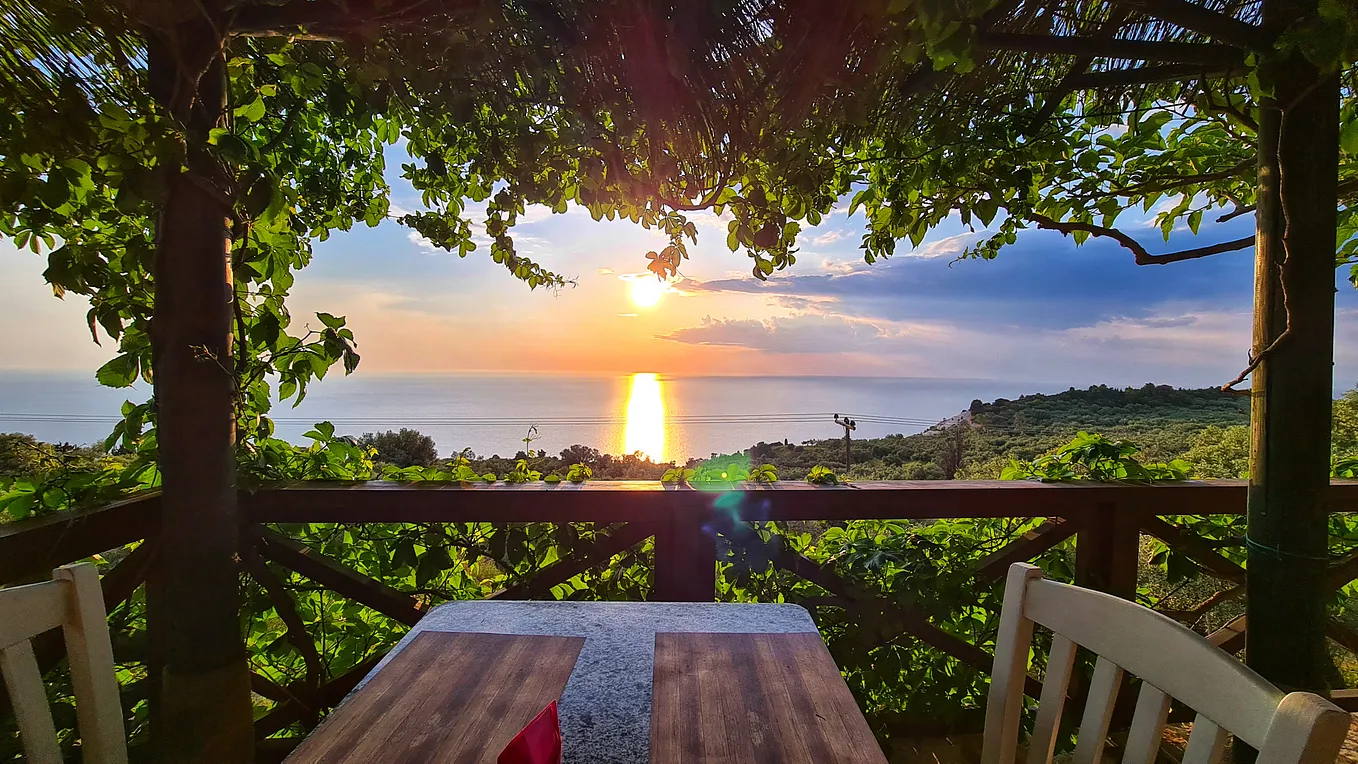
x=849 y=426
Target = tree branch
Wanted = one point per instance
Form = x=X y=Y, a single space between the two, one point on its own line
x=1203 y=54
x=1147 y=75
x=334 y=19
x=1168 y=184
x=1196 y=18
x=1142 y=256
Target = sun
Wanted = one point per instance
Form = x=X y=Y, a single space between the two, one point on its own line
x=647 y=291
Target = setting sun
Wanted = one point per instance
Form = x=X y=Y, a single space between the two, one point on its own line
x=645 y=431
x=646 y=291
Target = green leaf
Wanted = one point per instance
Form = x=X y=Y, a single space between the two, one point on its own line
x=119 y=372
x=1348 y=138
x=251 y=112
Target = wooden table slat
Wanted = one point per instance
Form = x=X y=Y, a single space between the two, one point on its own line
x=746 y=698
x=446 y=697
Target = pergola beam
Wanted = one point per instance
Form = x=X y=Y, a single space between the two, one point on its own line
x=1196 y=18
x=1148 y=75
x=1201 y=54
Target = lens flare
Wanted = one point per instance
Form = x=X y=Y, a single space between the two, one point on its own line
x=645 y=431
x=646 y=291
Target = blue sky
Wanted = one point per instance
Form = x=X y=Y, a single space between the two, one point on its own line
x=1045 y=310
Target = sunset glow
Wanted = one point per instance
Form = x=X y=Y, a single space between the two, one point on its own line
x=645 y=431
x=647 y=291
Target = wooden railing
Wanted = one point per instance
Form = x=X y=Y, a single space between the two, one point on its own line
x=1106 y=521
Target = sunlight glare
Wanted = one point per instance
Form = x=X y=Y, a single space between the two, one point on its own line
x=645 y=418
x=646 y=292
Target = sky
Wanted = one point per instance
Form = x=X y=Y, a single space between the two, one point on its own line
x=1045 y=310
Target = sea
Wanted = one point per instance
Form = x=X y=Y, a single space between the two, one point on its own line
x=664 y=417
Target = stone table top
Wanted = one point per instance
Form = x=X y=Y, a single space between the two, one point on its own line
x=606 y=706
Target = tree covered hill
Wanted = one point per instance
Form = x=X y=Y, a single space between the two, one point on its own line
x=1166 y=422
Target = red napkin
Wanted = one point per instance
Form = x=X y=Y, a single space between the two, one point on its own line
x=538 y=743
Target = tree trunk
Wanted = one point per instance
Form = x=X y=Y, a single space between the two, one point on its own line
x=1293 y=384
x=205 y=709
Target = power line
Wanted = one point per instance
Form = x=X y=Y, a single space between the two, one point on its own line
x=492 y=421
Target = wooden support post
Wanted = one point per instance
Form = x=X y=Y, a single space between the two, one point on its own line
x=686 y=558
x=205 y=681
x=1291 y=388
x=1107 y=548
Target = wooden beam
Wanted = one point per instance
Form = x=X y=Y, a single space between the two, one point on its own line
x=1230 y=637
x=604 y=549
x=341 y=579
x=1200 y=19
x=686 y=558
x=31 y=549
x=286 y=607
x=1036 y=541
x=328 y=696
x=205 y=680
x=1201 y=54
x=1106 y=551
x=1293 y=360
x=1344 y=571
x=649 y=501
x=1147 y=75
x=1194 y=548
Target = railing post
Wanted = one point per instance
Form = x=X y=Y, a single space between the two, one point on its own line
x=686 y=556
x=1107 y=550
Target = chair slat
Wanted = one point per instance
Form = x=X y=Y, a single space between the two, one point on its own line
x=1148 y=726
x=30 y=610
x=1103 y=693
x=26 y=694
x=1060 y=663
x=1004 y=704
x=99 y=711
x=1206 y=743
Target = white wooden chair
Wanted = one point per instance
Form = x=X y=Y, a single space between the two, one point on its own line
x=1172 y=662
x=73 y=601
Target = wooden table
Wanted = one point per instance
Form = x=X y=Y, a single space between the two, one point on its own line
x=447 y=697
x=747 y=698
x=606 y=705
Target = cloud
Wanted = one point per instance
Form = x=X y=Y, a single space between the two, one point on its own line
x=793 y=334
x=951 y=246
x=605 y=271
x=1042 y=282
x=423 y=243
x=830 y=237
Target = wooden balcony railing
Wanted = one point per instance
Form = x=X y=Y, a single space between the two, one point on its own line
x=691 y=529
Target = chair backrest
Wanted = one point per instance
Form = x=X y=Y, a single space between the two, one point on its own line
x=73 y=601
x=1172 y=662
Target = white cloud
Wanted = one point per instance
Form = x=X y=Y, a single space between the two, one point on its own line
x=415 y=238
x=803 y=333
x=605 y=271
x=951 y=246
x=830 y=237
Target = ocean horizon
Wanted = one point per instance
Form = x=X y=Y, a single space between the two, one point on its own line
x=669 y=417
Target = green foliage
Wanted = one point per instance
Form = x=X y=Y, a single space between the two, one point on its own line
x=522 y=473
x=678 y=475
x=1094 y=457
x=821 y=475
x=579 y=473
x=1218 y=452
x=406 y=448
x=766 y=474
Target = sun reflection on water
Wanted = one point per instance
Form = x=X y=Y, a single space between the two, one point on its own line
x=646 y=417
